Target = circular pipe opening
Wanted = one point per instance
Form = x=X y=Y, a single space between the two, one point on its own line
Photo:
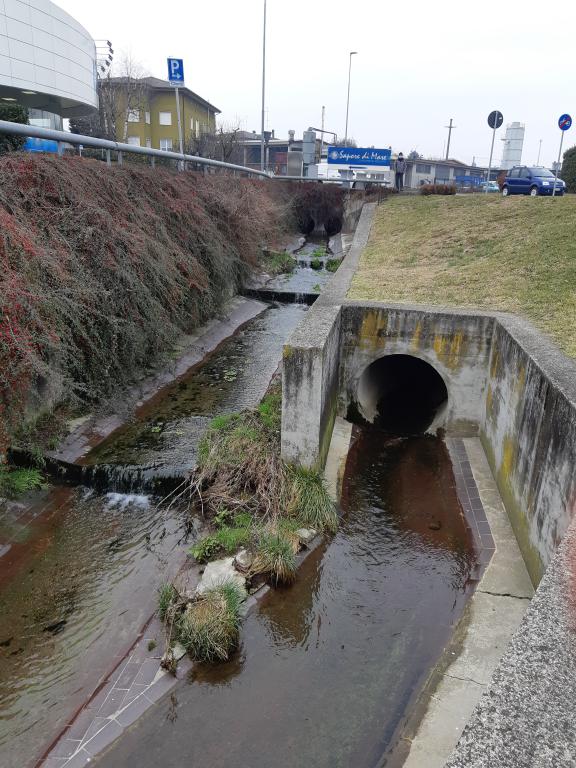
x=400 y=394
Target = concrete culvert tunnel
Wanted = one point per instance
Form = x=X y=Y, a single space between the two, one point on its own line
x=400 y=394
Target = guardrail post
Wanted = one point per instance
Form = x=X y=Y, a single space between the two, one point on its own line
x=119 y=158
x=108 y=159
x=60 y=148
x=153 y=161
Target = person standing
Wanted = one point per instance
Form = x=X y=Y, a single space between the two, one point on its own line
x=399 y=171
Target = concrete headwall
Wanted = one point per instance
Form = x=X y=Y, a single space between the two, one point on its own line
x=456 y=345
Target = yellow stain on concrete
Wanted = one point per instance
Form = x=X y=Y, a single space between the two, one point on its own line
x=508 y=458
x=373 y=329
x=415 y=341
x=449 y=349
x=494 y=363
x=489 y=402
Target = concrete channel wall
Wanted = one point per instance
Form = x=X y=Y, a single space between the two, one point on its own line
x=528 y=431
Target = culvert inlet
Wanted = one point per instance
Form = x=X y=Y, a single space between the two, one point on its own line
x=400 y=394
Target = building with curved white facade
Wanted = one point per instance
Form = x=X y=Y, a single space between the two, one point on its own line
x=47 y=59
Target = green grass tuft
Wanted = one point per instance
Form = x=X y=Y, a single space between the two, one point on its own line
x=278 y=262
x=210 y=626
x=316 y=264
x=310 y=500
x=167 y=596
x=16 y=482
x=226 y=540
x=333 y=264
x=275 y=556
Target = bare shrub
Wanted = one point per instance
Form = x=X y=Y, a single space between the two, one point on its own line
x=102 y=268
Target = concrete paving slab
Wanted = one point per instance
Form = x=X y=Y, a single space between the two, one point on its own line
x=450 y=708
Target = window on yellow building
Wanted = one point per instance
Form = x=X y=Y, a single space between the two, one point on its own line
x=135 y=140
x=147 y=117
x=133 y=115
x=165 y=118
x=166 y=145
x=149 y=142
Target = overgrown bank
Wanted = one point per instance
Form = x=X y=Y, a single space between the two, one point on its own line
x=103 y=268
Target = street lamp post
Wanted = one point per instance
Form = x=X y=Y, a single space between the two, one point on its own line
x=262 y=147
x=352 y=53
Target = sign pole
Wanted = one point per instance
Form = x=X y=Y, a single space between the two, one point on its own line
x=181 y=142
x=558 y=164
x=495 y=120
x=490 y=161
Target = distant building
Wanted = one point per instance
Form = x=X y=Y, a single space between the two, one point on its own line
x=513 y=144
x=430 y=171
x=276 y=151
x=144 y=112
x=47 y=62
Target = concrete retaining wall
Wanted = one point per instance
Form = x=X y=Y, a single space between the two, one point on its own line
x=529 y=435
x=311 y=362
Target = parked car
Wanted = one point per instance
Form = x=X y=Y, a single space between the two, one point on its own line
x=524 y=180
x=492 y=186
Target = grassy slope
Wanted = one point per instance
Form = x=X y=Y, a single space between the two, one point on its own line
x=516 y=254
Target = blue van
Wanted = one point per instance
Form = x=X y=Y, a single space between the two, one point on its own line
x=523 y=180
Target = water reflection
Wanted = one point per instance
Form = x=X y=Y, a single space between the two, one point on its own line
x=328 y=668
x=74 y=594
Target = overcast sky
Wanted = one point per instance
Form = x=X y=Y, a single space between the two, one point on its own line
x=418 y=64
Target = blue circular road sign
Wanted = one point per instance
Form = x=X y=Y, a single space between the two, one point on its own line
x=564 y=122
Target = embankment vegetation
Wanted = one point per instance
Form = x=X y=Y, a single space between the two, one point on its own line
x=479 y=251
x=102 y=269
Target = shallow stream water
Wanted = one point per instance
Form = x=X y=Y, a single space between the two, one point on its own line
x=80 y=578
x=329 y=667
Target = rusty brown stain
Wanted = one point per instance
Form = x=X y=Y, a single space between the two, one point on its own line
x=373 y=329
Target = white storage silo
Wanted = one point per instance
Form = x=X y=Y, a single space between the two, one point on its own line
x=513 y=143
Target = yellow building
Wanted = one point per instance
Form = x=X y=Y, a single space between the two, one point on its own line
x=145 y=112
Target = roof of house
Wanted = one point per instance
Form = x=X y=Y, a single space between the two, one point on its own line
x=156 y=84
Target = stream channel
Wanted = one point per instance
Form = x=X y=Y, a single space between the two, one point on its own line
x=327 y=668
x=81 y=574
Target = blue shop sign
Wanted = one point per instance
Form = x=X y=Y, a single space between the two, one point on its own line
x=40 y=145
x=358 y=156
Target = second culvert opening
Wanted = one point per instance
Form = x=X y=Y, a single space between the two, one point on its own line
x=400 y=394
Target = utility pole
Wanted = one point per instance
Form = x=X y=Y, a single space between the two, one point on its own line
x=352 y=53
x=262 y=148
x=322 y=133
x=539 y=150
x=450 y=127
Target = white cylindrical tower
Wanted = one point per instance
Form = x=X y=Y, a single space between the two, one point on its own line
x=513 y=143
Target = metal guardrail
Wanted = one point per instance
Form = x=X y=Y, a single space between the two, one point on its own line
x=335 y=180
x=63 y=137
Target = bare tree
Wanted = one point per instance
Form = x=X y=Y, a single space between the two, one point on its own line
x=120 y=93
x=222 y=144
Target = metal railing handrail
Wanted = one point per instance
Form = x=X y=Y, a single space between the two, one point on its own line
x=64 y=137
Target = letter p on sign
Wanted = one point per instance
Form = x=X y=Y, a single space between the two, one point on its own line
x=176 y=71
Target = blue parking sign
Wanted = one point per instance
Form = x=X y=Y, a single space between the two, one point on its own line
x=564 y=122
x=176 y=71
